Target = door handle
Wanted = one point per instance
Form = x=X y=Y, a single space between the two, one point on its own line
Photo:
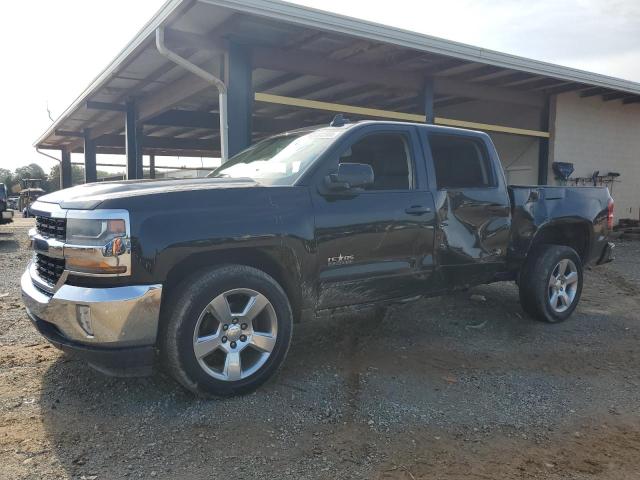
x=417 y=210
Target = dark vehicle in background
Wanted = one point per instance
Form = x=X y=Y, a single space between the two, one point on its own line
x=6 y=214
x=207 y=276
x=12 y=202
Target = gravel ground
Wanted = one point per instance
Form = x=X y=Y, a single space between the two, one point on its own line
x=458 y=387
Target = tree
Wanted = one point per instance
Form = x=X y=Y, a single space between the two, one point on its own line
x=32 y=170
x=6 y=177
x=53 y=179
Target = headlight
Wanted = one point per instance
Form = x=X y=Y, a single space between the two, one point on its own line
x=93 y=232
x=97 y=246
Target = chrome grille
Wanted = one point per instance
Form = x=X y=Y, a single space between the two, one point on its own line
x=49 y=269
x=52 y=227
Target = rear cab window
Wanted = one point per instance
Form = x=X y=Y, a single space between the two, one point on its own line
x=461 y=162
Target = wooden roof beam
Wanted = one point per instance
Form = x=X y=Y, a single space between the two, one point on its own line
x=607 y=97
x=634 y=99
x=592 y=92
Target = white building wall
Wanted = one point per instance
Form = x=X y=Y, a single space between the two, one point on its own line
x=597 y=135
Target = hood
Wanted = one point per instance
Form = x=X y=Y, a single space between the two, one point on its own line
x=89 y=196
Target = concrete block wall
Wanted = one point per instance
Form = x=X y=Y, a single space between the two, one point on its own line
x=597 y=135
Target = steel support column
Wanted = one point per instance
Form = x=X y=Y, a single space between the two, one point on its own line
x=152 y=166
x=65 y=170
x=90 y=169
x=543 y=149
x=239 y=71
x=133 y=136
x=427 y=98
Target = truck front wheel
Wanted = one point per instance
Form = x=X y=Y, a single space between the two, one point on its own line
x=227 y=330
x=551 y=283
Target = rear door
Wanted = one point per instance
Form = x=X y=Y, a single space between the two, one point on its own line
x=376 y=245
x=473 y=207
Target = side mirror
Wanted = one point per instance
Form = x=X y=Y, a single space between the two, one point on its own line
x=349 y=176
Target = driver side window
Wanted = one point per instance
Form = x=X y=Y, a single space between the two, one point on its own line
x=388 y=154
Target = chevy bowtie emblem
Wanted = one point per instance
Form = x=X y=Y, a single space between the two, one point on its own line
x=340 y=260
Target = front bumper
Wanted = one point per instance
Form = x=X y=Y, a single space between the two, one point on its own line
x=120 y=318
x=121 y=362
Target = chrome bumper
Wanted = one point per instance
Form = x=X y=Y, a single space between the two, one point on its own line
x=120 y=316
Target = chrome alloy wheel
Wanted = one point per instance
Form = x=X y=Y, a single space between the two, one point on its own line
x=563 y=285
x=235 y=334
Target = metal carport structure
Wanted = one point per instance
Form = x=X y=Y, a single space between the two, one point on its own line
x=287 y=66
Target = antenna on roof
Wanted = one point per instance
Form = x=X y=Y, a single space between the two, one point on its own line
x=339 y=121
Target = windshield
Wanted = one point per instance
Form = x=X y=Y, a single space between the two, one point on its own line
x=278 y=160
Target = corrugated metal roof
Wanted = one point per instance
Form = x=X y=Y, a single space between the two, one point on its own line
x=140 y=71
x=279 y=10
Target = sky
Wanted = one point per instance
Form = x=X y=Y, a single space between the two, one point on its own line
x=53 y=50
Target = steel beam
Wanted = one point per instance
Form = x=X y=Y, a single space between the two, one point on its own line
x=306 y=63
x=565 y=88
x=66 y=180
x=442 y=66
x=90 y=169
x=428 y=95
x=480 y=72
x=208 y=120
x=277 y=81
x=112 y=107
x=132 y=142
x=67 y=133
x=607 y=97
x=477 y=90
x=628 y=101
x=592 y=92
x=506 y=79
x=179 y=39
x=164 y=152
x=239 y=72
x=186 y=119
x=152 y=166
x=160 y=143
x=448 y=102
x=543 y=146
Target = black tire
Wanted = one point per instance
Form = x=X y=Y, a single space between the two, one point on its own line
x=180 y=318
x=534 y=289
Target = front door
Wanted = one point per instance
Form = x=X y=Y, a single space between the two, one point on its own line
x=378 y=244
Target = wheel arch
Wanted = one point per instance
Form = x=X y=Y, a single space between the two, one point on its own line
x=573 y=233
x=278 y=262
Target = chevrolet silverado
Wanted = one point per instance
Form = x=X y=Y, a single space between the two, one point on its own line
x=206 y=277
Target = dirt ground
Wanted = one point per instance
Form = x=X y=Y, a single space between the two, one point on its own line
x=463 y=387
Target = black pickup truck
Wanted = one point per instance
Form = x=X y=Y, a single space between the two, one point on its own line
x=208 y=276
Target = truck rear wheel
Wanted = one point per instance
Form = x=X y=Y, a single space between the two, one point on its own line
x=551 y=283
x=228 y=330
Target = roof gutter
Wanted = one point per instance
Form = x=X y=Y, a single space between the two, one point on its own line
x=47 y=155
x=208 y=77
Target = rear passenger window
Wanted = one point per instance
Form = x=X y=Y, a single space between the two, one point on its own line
x=461 y=162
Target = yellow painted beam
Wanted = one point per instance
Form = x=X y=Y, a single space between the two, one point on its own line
x=407 y=117
x=490 y=128
x=336 y=107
